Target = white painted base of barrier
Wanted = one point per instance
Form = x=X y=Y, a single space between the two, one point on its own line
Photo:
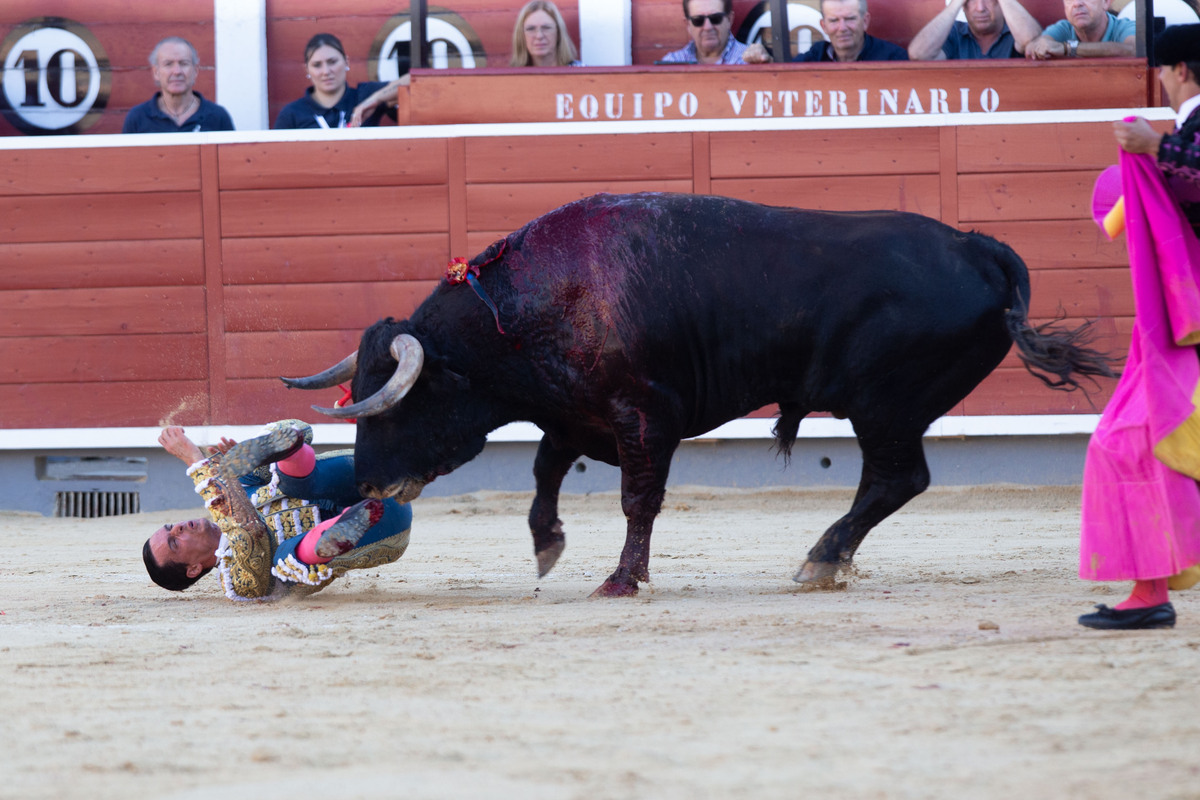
x=343 y=434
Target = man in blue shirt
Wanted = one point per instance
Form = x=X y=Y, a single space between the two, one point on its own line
x=1090 y=30
x=994 y=29
x=709 y=23
x=176 y=107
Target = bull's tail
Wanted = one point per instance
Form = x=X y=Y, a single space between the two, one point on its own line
x=1053 y=353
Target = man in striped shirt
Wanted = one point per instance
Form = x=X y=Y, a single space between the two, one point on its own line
x=709 y=23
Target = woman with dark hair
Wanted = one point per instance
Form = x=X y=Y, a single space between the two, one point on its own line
x=540 y=38
x=331 y=102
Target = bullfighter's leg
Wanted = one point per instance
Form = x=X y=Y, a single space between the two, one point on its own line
x=644 y=469
x=894 y=472
x=331 y=478
x=549 y=468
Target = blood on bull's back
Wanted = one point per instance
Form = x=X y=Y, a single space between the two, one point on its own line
x=734 y=306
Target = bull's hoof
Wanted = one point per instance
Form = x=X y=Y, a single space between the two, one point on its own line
x=611 y=588
x=818 y=574
x=546 y=559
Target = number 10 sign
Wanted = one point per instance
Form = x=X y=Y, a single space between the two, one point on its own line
x=56 y=77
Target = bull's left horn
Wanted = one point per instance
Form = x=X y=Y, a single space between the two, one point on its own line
x=409 y=359
x=342 y=372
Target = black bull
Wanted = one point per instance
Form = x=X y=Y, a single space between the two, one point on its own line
x=631 y=322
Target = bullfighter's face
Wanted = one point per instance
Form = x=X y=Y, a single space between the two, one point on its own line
x=192 y=543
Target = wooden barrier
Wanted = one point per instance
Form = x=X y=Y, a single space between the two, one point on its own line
x=153 y=284
x=675 y=92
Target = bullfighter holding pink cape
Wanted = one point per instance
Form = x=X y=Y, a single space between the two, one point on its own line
x=1141 y=501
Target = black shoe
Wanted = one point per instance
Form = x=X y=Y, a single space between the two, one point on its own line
x=344 y=535
x=1105 y=618
x=244 y=457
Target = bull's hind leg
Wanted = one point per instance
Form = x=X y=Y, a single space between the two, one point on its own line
x=550 y=466
x=894 y=472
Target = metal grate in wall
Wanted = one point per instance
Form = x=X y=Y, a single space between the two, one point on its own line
x=96 y=504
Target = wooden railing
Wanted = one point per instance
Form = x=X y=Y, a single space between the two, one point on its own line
x=171 y=280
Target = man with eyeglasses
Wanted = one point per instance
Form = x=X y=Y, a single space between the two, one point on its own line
x=709 y=23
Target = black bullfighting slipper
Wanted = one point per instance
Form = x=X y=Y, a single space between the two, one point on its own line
x=245 y=457
x=284 y=424
x=344 y=535
x=1105 y=618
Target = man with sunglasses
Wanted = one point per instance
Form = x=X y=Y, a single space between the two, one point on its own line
x=709 y=23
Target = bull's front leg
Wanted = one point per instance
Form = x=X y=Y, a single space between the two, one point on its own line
x=644 y=468
x=550 y=466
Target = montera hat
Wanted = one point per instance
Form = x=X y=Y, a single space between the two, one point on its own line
x=1177 y=43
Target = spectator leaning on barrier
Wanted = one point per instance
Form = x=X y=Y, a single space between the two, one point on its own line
x=176 y=107
x=540 y=38
x=331 y=102
x=709 y=23
x=845 y=23
x=994 y=29
x=1090 y=30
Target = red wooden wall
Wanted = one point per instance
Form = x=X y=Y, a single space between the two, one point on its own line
x=144 y=286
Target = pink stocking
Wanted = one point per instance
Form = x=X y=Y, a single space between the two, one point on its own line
x=306 y=551
x=299 y=464
x=1146 y=594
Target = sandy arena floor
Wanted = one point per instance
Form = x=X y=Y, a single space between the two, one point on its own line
x=951 y=666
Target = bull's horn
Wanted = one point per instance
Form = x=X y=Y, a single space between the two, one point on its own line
x=342 y=372
x=409 y=359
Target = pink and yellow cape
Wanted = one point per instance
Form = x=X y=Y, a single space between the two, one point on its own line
x=1141 y=502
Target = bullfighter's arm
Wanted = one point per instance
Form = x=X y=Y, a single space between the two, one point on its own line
x=1179 y=156
x=1137 y=136
x=176 y=442
x=1178 y=153
x=245 y=563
